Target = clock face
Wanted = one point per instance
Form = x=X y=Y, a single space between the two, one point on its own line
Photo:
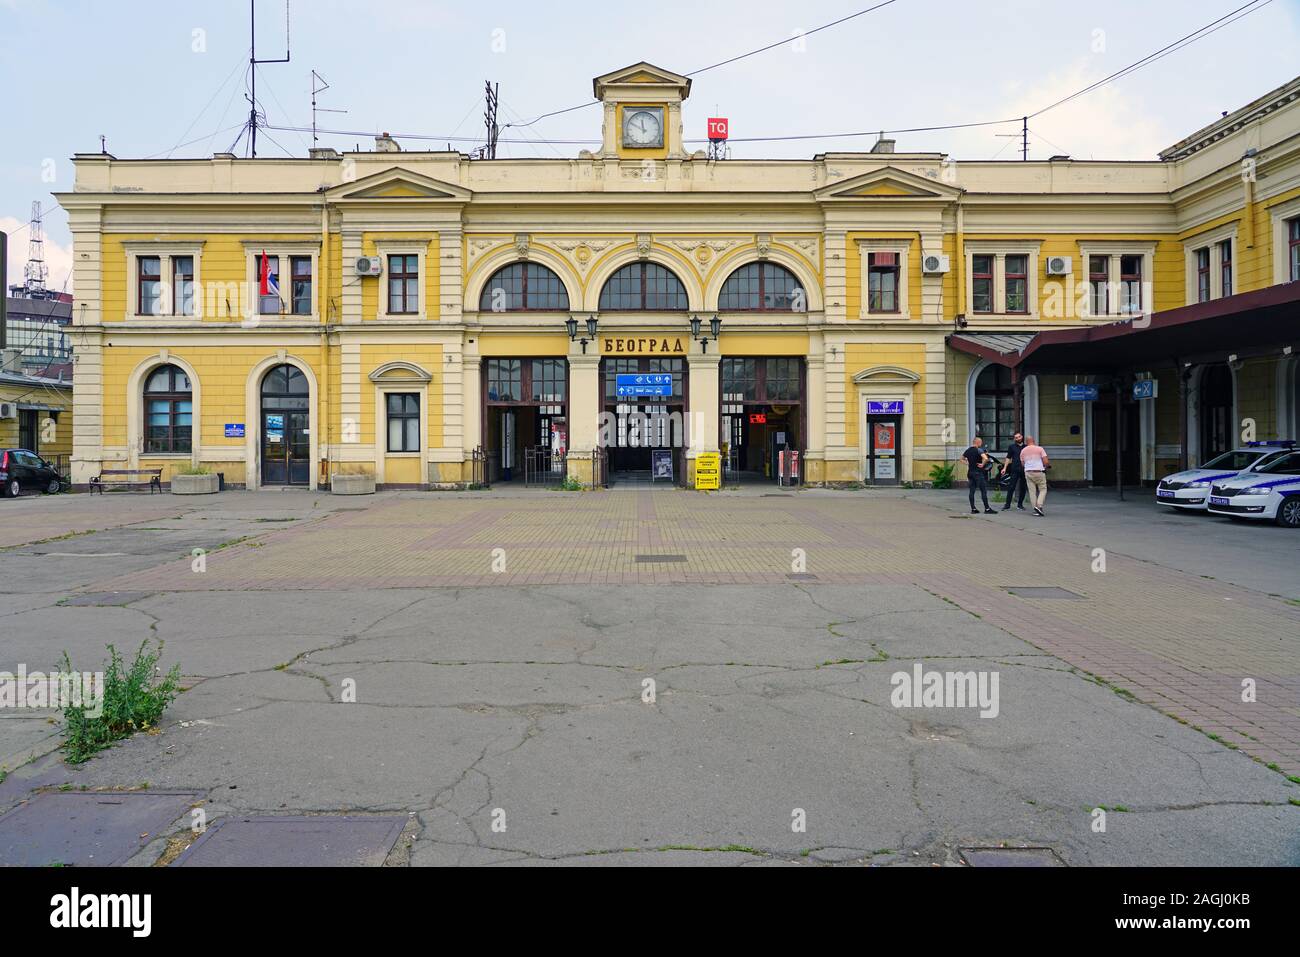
x=643 y=128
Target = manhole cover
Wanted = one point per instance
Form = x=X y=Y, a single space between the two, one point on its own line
x=1011 y=857
x=777 y=495
x=107 y=598
x=315 y=841
x=84 y=828
x=1036 y=591
x=659 y=559
x=801 y=577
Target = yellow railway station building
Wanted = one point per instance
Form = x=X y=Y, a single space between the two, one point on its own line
x=425 y=319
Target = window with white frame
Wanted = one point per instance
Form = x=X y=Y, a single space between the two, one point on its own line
x=1284 y=220
x=1210 y=264
x=281 y=278
x=884 y=264
x=1002 y=279
x=1119 y=278
x=163 y=279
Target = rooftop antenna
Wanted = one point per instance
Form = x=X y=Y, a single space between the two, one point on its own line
x=316 y=78
x=1023 y=136
x=491 y=97
x=253 y=61
x=36 y=272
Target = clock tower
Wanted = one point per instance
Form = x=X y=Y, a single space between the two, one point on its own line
x=643 y=112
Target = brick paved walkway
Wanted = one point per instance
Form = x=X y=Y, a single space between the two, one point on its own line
x=1176 y=641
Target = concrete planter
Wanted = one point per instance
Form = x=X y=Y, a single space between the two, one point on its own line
x=352 y=484
x=194 y=484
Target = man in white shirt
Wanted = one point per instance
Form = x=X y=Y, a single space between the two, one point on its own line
x=1033 y=459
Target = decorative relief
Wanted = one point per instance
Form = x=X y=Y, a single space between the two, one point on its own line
x=477 y=247
x=703 y=251
x=522 y=242
x=643 y=242
x=805 y=245
x=764 y=245
x=582 y=252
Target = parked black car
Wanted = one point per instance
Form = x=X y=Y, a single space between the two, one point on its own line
x=21 y=470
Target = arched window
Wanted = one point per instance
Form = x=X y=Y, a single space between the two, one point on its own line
x=168 y=410
x=995 y=407
x=643 y=287
x=285 y=382
x=762 y=287
x=524 y=287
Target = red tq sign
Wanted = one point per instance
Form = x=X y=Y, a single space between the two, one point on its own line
x=718 y=128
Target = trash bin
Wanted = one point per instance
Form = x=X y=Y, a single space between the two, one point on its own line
x=221 y=481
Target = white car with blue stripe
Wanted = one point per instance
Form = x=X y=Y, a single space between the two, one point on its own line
x=1272 y=493
x=1188 y=490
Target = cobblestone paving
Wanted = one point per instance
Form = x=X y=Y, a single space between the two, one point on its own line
x=1173 y=640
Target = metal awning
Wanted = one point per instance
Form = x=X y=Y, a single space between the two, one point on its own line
x=1262 y=322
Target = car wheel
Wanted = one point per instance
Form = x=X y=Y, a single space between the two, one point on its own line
x=54 y=487
x=12 y=488
x=1288 y=513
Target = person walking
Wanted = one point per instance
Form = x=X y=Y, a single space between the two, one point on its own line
x=1035 y=463
x=977 y=474
x=1011 y=467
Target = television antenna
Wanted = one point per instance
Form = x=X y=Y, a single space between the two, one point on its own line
x=316 y=78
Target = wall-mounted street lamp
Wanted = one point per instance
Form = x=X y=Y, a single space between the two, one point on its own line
x=715 y=326
x=572 y=326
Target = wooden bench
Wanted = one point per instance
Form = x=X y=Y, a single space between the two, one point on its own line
x=125 y=478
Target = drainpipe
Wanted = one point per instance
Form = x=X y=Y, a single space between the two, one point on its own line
x=324 y=299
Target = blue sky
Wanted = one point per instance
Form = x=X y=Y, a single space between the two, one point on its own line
x=152 y=75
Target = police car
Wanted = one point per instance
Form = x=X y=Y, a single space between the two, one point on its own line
x=1270 y=492
x=1188 y=490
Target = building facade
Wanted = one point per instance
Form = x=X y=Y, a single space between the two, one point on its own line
x=404 y=314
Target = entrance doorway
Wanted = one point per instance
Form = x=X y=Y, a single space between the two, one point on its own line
x=883 y=443
x=762 y=409
x=525 y=419
x=1105 y=445
x=1215 y=412
x=28 y=433
x=635 y=427
x=285 y=423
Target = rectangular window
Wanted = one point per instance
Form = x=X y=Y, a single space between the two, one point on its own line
x=269 y=303
x=403 y=285
x=1293 y=247
x=882 y=282
x=149 y=288
x=1130 y=284
x=1099 y=281
x=505 y=380
x=403 y=422
x=1203 y=274
x=1225 y=267
x=300 y=267
x=981 y=283
x=739 y=380
x=1017 y=276
x=182 y=285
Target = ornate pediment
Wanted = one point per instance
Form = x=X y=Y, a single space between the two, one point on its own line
x=886 y=375
x=889 y=184
x=398 y=185
x=642 y=74
x=400 y=371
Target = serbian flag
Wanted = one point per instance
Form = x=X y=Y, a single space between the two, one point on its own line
x=270 y=280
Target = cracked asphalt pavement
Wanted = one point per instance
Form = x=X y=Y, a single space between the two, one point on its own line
x=511 y=724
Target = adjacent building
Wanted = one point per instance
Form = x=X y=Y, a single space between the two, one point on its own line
x=424 y=316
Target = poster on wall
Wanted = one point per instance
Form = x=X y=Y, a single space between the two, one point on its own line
x=885 y=469
x=884 y=438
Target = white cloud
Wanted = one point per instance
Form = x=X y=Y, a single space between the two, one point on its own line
x=57 y=257
x=1104 y=124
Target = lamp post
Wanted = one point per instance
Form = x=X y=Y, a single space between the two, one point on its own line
x=715 y=327
x=572 y=326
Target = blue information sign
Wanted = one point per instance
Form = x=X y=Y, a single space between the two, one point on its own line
x=1082 y=393
x=658 y=384
x=1145 y=389
x=885 y=408
x=234 y=430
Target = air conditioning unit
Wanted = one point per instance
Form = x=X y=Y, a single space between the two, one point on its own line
x=370 y=266
x=1060 y=265
x=935 y=263
x=8 y=410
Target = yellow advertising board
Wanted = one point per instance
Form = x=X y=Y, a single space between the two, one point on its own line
x=708 y=472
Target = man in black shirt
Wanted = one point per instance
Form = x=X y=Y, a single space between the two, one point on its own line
x=977 y=475
x=1011 y=466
